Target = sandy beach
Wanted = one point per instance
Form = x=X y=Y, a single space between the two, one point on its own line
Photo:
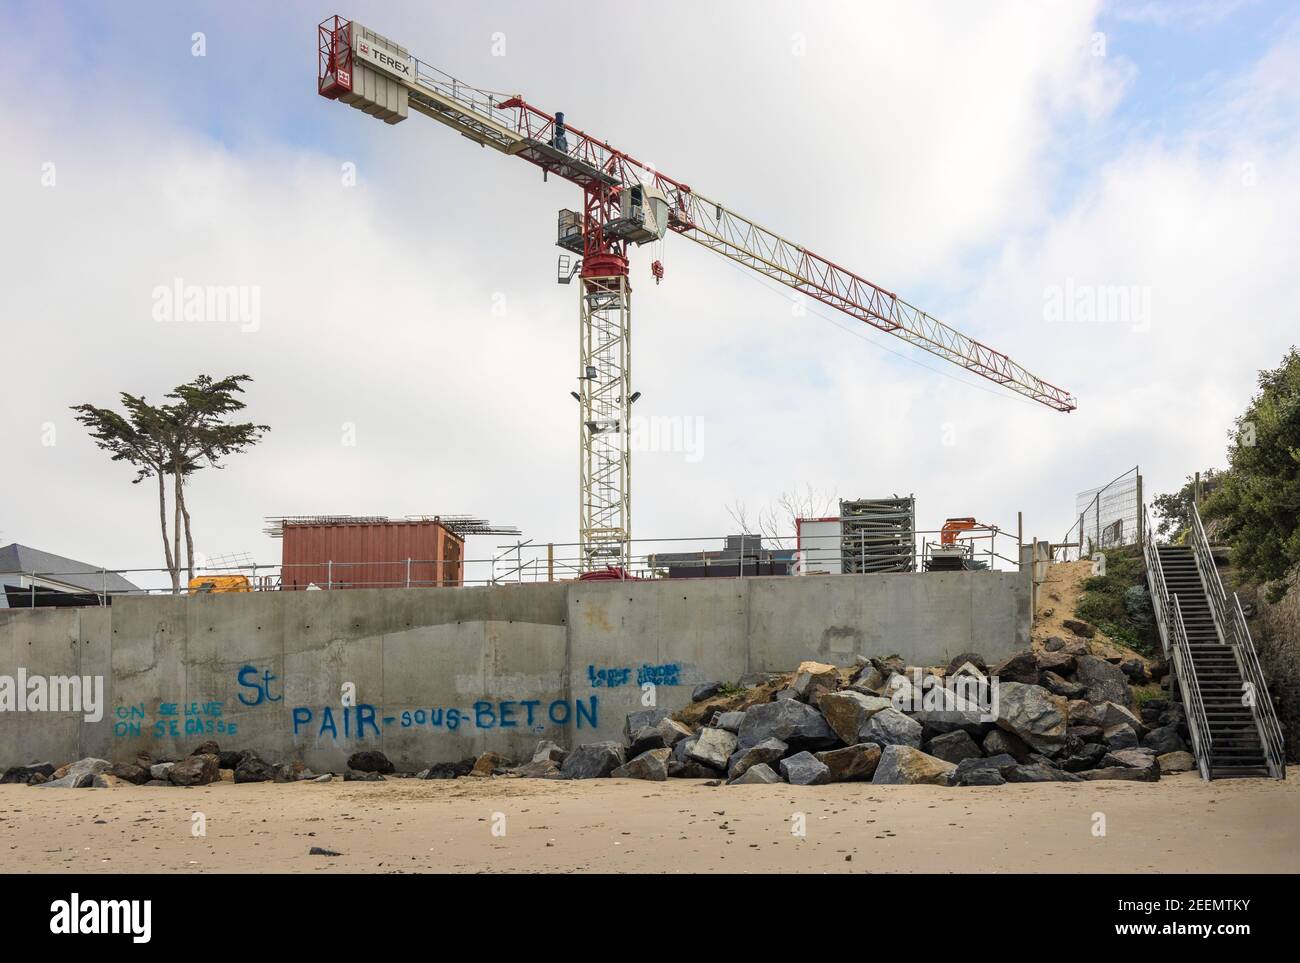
x=1179 y=824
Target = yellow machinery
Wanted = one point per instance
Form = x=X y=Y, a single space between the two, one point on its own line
x=219 y=583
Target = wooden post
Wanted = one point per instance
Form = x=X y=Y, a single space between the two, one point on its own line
x=550 y=561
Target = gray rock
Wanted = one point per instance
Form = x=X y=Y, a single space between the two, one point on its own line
x=1164 y=740
x=1066 y=689
x=129 y=772
x=1113 y=714
x=80 y=781
x=1122 y=773
x=253 y=768
x=1087 y=756
x=1135 y=671
x=541 y=769
x=593 y=760
x=1143 y=759
x=706 y=690
x=999 y=764
x=799 y=726
x=1086 y=733
x=352 y=775
x=848 y=712
x=161 y=770
x=1083 y=713
x=370 y=760
x=981 y=777
x=546 y=749
x=1120 y=736
x=638 y=720
x=1080 y=628
x=88 y=766
x=972 y=659
x=645 y=739
x=327 y=777
x=768 y=751
x=1104 y=682
x=1021 y=667
x=651 y=765
x=904 y=766
x=852 y=763
x=672 y=732
x=1039 y=772
x=730 y=721
x=713 y=747
x=195 y=770
x=24 y=774
x=953 y=747
x=760 y=774
x=1059 y=663
x=814 y=674
x=690 y=769
x=1176 y=762
x=1033 y=714
x=804 y=769
x=998 y=743
x=889 y=727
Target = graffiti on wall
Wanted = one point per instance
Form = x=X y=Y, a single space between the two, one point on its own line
x=612 y=677
x=529 y=715
x=261 y=688
x=172 y=720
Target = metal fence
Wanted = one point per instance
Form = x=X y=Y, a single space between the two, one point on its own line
x=524 y=561
x=1106 y=517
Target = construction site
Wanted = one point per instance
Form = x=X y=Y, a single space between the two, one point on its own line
x=936 y=644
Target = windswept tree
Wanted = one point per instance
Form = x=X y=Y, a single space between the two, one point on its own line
x=174 y=440
x=1257 y=500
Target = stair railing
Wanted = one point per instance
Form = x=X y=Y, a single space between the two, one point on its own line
x=1156 y=582
x=1198 y=724
x=1230 y=620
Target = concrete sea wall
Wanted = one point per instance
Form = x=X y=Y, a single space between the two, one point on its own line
x=440 y=674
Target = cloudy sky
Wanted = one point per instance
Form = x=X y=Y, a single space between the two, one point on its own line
x=1000 y=165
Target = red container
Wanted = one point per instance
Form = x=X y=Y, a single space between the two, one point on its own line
x=394 y=554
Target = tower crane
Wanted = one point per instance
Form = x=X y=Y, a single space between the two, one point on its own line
x=625 y=202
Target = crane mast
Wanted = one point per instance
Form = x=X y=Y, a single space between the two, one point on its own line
x=625 y=202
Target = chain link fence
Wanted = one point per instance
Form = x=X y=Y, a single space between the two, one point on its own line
x=1107 y=517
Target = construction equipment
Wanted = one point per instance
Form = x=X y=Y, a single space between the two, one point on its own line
x=625 y=202
x=202 y=584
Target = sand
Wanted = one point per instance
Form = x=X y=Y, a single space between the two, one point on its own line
x=1179 y=824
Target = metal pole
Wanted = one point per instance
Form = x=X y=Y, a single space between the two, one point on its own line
x=329 y=574
x=1139 y=508
x=408 y=573
x=1020 y=540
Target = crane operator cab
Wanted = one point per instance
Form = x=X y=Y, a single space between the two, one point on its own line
x=643 y=214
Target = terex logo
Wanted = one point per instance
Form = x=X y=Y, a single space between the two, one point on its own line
x=392 y=63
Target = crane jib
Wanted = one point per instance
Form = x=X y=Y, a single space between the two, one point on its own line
x=512 y=125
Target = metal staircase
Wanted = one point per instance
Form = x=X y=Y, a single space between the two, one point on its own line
x=1234 y=729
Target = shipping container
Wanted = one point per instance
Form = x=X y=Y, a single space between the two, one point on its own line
x=370 y=554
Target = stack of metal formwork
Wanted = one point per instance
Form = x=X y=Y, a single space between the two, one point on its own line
x=878 y=534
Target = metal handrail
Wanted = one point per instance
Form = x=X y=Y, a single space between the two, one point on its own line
x=1197 y=721
x=1156 y=582
x=1262 y=705
x=1233 y=631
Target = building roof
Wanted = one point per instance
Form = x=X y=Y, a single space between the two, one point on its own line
x=18 y=559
